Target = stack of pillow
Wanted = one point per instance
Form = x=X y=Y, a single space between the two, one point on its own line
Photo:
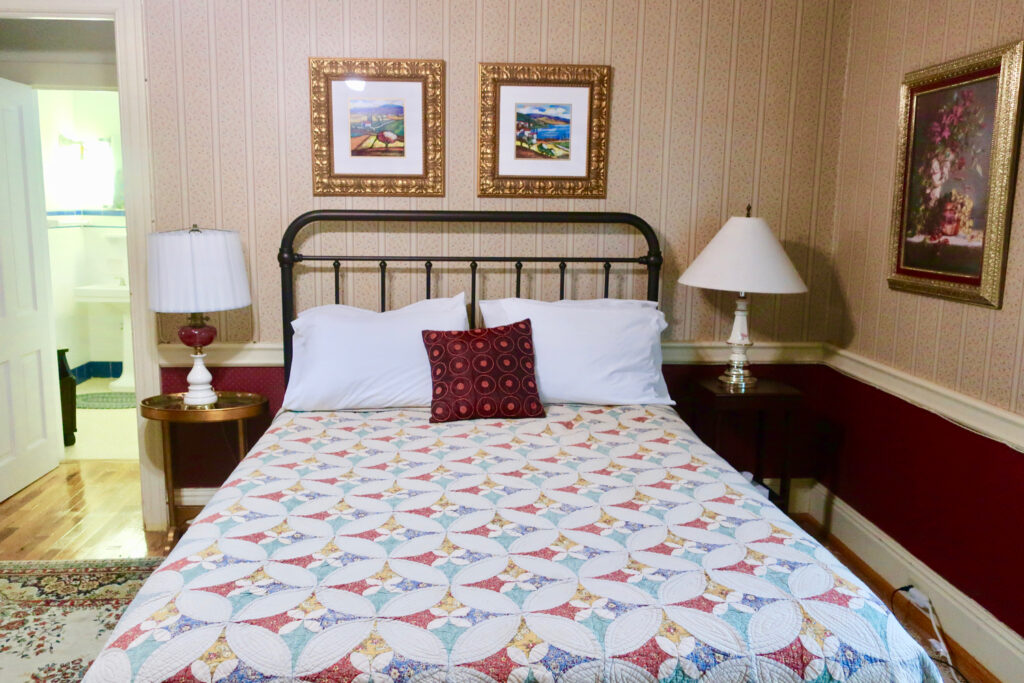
x=598 y=351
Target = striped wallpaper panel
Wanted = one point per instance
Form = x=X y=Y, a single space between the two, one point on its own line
x=714 y=104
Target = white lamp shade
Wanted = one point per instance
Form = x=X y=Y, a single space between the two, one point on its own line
x=196 y=271
x=744 y=256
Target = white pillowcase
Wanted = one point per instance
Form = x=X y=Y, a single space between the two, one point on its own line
x=593 y=351
x=347 y=358
x=497 y=306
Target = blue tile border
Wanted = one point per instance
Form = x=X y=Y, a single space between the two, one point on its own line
x=87 y=212
x=97 y=368
x=79 y=225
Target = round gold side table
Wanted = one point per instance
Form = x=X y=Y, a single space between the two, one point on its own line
x=235 y=406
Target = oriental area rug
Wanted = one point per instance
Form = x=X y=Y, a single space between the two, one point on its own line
x=56 y=616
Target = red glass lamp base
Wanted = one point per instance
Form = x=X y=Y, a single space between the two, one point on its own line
x=197 y=334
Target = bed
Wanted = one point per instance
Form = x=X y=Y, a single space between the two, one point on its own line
x=596 y=543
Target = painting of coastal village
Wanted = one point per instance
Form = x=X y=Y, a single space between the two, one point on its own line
x=377 y=127
x=543 y=131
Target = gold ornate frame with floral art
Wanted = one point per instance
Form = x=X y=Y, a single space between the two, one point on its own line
x=955 y=169
x=590 y=181
x=367 y=179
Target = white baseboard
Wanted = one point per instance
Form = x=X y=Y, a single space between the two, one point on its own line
x=998 y=647
x=194 y=495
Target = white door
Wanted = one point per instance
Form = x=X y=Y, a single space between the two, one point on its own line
x=31 y=441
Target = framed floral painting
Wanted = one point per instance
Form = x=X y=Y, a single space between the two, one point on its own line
x=955 y=176
x=377 y=126
x=544 y=130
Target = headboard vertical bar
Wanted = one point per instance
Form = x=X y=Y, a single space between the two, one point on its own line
x=428 y=265
x=472 y=294
x=653 y=277
x=561 y=280
x=286 y=259
x=287 y=256
x=383 y=286
x=607 y=277
x=337 y=281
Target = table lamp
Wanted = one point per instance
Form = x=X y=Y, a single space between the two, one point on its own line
x=744 y=257
x=197 y=271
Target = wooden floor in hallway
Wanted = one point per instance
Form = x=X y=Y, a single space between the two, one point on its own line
x=82 y=510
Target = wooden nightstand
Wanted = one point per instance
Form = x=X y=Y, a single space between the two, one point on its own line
x=231 y=406
x=712 y=400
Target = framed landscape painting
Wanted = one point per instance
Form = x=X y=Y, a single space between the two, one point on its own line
x=544 y=130
x=955 y=174
x=377 y=126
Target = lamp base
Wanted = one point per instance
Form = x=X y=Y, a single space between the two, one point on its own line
x=737 y=377
x=200 y=388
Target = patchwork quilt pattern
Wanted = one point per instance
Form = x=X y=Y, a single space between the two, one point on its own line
x=595 y=544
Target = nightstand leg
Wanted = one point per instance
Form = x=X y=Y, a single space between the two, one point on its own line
x=165 y=431
x=241 y=440
x=785 y=481
x=759 y=449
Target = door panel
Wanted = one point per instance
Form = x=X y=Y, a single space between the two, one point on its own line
x=31 y=442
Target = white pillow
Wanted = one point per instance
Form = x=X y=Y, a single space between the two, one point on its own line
x=346 y=358
x=607 y=354
x=423 y=305
x=497 y=306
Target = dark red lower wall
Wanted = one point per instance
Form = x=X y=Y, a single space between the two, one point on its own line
x=949 y=496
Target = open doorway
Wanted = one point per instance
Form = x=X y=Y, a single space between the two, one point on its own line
x=68 y=70
x=82 y=174
x=71 y=66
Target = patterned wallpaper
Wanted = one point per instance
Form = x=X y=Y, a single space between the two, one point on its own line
x=974 y=350
x=714 y=104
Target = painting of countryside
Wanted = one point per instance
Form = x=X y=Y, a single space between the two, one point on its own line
x=377 y=128
x=543 y=131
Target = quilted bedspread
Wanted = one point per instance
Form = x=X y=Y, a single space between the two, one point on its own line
x=596 y=544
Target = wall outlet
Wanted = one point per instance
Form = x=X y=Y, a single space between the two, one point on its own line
x=917 y=596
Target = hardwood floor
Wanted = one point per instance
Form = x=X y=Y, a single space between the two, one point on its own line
x=83 y=510
x=913 y=619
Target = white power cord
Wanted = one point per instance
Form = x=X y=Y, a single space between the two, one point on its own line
x=918 y=598
x=939 y=642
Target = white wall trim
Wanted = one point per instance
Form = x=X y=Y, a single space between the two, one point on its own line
x=271 y=354
x=998 y=647
x=230 y=355
x=677 y=353
x=966 y=411
x=130 y=47
x=970 y=413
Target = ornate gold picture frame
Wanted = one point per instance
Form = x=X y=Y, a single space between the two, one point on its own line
x=544 y=130
x=377 y=126
x=955 y=173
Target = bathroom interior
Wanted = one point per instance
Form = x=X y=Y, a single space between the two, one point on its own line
x=81 y=145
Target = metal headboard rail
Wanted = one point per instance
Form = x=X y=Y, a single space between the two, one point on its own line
x=287 y=256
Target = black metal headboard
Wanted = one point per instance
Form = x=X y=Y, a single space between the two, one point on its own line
x=287 y=257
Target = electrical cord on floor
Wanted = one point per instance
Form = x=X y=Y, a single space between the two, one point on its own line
x=938 y=640
x=892 y=596
x=943 y=662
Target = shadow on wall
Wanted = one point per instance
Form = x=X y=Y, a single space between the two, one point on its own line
x=823 y=287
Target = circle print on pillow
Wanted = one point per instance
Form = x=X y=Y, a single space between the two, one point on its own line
x=484 y=373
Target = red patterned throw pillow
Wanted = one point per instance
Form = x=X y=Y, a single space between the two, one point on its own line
x=483 y=373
